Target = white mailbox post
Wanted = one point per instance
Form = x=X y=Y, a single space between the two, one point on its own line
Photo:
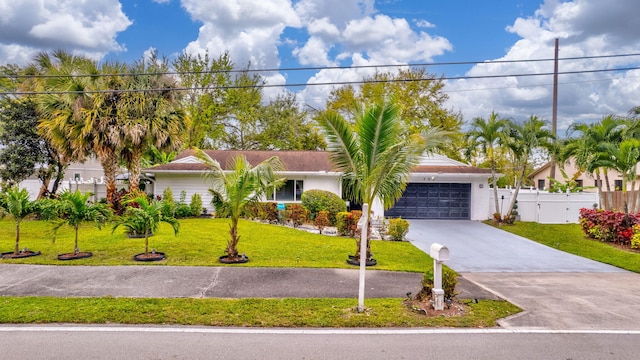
x=439 y=253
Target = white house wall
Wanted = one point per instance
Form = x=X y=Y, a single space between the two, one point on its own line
x=194 y=183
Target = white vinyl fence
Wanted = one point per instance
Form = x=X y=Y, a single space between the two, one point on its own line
x=544 y=207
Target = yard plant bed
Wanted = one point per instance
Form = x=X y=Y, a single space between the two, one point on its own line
x=150 y=256
x=75 y=255
x=20 y=255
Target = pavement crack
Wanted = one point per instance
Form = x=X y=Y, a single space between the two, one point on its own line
x=202 y=293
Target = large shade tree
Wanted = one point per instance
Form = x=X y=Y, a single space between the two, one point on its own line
x=418 y=95
x=375 y=154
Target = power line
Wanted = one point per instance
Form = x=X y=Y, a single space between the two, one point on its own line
x=331 y=83
x=345 y=67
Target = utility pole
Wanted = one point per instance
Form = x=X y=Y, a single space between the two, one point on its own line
x=554 y=111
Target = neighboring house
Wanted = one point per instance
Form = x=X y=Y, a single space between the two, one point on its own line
x=438 y=188
x=540 y=177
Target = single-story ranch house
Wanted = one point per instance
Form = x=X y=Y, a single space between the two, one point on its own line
x=438 y=188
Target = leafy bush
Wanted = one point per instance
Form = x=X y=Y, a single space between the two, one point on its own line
x=347 y=222
x=608 y=226
x=266 y=211
x=321 y=200
x=635 y=239
x=196 y=204
x=322 y=220
x=168 y=203
x=297 y=214
x=449 y=282
x=184 y=211
x=398 y=229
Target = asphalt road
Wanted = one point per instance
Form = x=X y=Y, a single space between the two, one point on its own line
x=53 y=343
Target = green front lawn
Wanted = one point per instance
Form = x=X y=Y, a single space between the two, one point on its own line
x=241 y=312
x=201 y=241
x=570 y=238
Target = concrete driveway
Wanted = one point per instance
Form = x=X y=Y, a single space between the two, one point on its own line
x=477 y=247
x=556 y=290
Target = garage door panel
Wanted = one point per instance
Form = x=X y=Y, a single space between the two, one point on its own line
x=433 y=201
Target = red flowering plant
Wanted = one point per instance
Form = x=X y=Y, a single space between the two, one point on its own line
x=608 y=226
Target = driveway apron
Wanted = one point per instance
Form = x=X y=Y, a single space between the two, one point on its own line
x=556 y=290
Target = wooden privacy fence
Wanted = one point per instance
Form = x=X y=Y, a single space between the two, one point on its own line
x=614 y=200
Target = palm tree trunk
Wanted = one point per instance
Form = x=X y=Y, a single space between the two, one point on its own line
x=75 y=247
x=494 y=182
x=110 y=167
x=146 y=241
x=232 y=250
x=16 y=250
x=514 y=198
x=609 y=194
x=134 y=169
x=600 y=194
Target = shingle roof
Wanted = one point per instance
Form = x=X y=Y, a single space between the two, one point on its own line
x=294 y=161
x=311 y=161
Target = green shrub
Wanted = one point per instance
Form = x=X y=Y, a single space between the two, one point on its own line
x=297 y=214
x=347 y=222
x=449 y=282
x=184 y=211
x=398 y=229
x=196 y=204
x=322 y=220
x=168 y=203
x=266 y=211
x=321 y=200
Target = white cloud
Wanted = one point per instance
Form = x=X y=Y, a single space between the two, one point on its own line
x=585 y=28
x=87 y=28
x=249 y=30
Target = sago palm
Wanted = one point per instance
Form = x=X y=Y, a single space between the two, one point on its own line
x=146 y=217
x=15 y=202
x=242 y=185
x=375 y=155
x=74 y=209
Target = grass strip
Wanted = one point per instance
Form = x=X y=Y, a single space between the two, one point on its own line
x=570 y=238
x=241 y=312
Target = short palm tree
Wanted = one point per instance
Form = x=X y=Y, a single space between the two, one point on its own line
x=146 y=217
x=243 y=185
x=74 y=209
x=375 y=154
x=15 y=202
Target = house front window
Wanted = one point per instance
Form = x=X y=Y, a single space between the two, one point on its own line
x=618 y=185
x=290 y=191
x=541 y=184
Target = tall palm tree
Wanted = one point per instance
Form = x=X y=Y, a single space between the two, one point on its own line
x=588 y=149
x=375 y=155
x=232 y=191
x=488 y=135
x=624 y=157
x=62 y=120
x=149 y=115
x=16 y=202
x=523 y=140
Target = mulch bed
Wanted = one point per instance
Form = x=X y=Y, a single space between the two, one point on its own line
x=20 y=255
x=425 y=307
x=75 y=255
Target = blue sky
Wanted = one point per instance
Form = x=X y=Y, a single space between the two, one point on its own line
x=315 y=33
